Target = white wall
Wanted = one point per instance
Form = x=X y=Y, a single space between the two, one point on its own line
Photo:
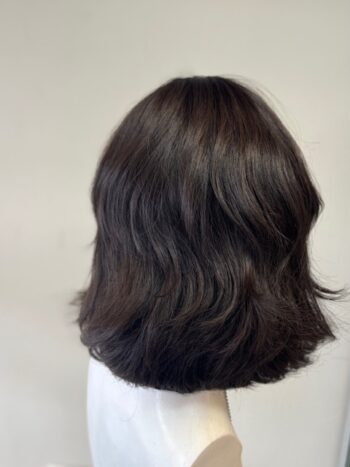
x=69 y=71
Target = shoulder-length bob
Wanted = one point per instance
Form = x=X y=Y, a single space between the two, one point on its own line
x=200 y=276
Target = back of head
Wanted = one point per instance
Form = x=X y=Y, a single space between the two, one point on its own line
x=201 y=276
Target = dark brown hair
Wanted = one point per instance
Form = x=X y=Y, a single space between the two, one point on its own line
x=201 y=276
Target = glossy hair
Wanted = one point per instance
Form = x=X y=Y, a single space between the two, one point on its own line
x=201 y=276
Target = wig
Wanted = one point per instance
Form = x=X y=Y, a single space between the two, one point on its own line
x=200 y=275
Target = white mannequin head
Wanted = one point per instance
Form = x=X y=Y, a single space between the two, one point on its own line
x=137 y=426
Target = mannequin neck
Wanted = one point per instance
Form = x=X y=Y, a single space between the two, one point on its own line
x=163 y=424
x=201 y=408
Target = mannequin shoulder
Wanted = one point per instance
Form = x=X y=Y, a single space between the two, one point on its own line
x=225 y=451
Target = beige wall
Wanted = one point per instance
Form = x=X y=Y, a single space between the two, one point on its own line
x=69 y=71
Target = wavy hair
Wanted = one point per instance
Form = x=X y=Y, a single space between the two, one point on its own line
x=200 y=276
